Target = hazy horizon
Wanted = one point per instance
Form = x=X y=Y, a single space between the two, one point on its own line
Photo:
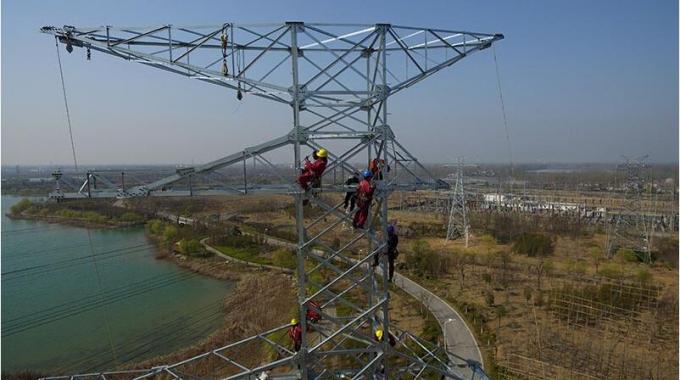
x=82 y=166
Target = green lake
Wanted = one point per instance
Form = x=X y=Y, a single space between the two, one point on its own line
x=76 y=300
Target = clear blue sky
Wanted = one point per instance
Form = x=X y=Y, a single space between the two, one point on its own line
x=583 y=81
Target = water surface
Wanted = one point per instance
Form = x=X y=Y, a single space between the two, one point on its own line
x=75 y=300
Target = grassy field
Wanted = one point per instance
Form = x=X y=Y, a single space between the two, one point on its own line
x=544 y=300
x=570 y=313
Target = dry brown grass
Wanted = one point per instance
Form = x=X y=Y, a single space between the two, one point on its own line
x=529 y=341
x=512 y=319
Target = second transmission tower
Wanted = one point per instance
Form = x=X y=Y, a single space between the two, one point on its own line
x=458 y=216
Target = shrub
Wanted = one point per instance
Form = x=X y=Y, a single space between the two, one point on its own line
x=534 y=245
x=424 y=261
x=431 y=330
x=67 y=213
x=131 y=217
x=489 y=298
x=611 y=270
x=191 y=247
x=538 y=299
x=487 y=239
x=284 y=258
x=94 y=217
x=580 y=267
x=666 y=250
x=527 y=293
x=169 y=233
x=155 y=226
x=424 y=229
x=420 y=247
x=241 y=241
x=626 y=255
x=643 y=276
x=21 y=206
x=505 y=228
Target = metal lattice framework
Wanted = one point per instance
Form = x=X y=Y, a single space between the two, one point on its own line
x=633 y=226
x=458 y=217
x=336 y=79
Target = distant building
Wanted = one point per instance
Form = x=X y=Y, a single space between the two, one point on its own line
x=494 y=198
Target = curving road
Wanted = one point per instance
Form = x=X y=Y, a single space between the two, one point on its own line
x=458 y=337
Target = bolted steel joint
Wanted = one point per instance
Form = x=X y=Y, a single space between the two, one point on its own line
x=382 y=91
x=298 y=25
x=384 y=130
x=366 y=53
x=300 y=95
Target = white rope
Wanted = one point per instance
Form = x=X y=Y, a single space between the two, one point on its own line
x=68 y=114
x=505 y=118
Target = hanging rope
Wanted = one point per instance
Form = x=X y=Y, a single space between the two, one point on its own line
x=505 y=118
x=68 y=114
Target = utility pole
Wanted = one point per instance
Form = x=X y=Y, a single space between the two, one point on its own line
x=631 y=226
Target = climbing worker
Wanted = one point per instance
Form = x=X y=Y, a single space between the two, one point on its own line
x=376 y=166
x=364 y=197
x=313 y=312
x=379 y=337
x=295 y=333
x=350 y=196
x=392 y=251
x=313 y=171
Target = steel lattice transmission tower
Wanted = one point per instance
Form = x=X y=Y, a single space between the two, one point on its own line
x=631 y=226
x=458 y=216
x=335 y=80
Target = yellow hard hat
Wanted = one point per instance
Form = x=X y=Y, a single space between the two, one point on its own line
x=322 y=153
x=379 y=334
x=293 y=321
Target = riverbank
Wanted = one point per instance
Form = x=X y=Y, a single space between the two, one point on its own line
x=73 y=222
x=85 y=214
x=261 y=299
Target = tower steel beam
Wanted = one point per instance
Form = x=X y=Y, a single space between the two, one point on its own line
x=330 y=75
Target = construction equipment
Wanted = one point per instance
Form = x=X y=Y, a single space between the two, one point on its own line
x=336 y=79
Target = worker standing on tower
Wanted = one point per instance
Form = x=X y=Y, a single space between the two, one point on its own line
x=379 y=337
x=295 y=334
x=377 y=166
x=350 y=196
x=392 y=251
x=364 y=198
x=313 y=313
x=313 y=171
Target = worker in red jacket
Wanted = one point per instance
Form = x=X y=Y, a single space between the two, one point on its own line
x=313 y=312
x=313 y=171
x=364 y=198
x=377 y=166
x=295 y=333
